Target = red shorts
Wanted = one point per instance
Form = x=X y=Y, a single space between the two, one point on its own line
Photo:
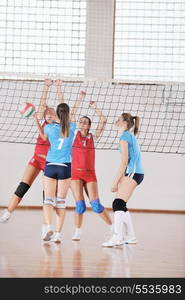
x=38 y=162
x=85 y=175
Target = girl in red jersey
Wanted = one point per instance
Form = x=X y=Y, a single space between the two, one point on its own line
x=37 y=162
x=83 y=170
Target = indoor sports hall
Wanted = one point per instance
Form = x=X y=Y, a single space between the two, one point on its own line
x=128 y=57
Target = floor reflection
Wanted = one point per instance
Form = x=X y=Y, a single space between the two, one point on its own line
x=117 y=261
x=52 y=260
x=109 y=262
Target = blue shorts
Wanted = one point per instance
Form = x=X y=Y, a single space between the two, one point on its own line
x=58 y=171
x=137 y=177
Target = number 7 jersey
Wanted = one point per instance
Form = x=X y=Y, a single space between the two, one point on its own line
x=60 y=148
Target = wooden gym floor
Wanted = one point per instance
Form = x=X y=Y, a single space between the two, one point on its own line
x=160 y=251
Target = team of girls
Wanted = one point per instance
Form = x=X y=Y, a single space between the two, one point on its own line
x=68 y=161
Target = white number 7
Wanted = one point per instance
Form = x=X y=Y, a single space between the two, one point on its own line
x=60 y=144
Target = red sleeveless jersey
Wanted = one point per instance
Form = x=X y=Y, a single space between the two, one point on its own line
x=42 y=146
x=83 y=153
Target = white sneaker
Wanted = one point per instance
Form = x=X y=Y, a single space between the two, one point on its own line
x=77 y=235
x=112 y=242
x=47 y=232
x=130 y=241
x=56 y=237
x=5 y=216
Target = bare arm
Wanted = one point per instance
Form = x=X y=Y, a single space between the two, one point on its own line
x=40 y=128
x=102 y=119
x=76 y=106
x=42 y=104
x=60 y=93
x=122 y=167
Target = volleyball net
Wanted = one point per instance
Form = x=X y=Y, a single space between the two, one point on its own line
x=160 y=107
x=129 y=56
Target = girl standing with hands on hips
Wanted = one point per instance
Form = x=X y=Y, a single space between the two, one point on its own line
x=57 y=174
x=129 y=175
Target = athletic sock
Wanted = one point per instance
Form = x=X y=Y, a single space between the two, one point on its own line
x=78 y=230
x=129 y=225
x=118 y=224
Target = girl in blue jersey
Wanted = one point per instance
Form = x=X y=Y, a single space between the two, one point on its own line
x=57 y=172
x=129 y=175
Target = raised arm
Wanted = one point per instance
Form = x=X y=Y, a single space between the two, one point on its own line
x=122 y=167
x=42 y=104
x=40 y=128
x=102 y=119
x=76 y=106
x=60 y=93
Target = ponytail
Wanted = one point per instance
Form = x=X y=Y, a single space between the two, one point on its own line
x=131 y=122
x=136 y=124
x=63 y=115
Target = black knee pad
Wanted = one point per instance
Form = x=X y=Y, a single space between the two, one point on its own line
x=22 y=189
x=119 y=204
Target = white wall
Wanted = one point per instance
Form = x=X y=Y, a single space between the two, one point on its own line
x=163 y=187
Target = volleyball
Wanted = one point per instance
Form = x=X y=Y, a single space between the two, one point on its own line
x=27 y=109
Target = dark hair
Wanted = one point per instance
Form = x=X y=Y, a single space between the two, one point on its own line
x=63 y=115
x=87 y=119
x=131 y=121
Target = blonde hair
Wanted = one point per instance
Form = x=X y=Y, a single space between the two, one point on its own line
x=48 y=109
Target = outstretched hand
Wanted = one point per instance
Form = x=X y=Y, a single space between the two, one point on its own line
x=92 y=104
x=48 y=82
x=82 y=94
x=58 y=82
x=114 y=188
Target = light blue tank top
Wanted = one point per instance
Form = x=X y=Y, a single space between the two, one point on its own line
x=134 y=153
x=60 y=148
